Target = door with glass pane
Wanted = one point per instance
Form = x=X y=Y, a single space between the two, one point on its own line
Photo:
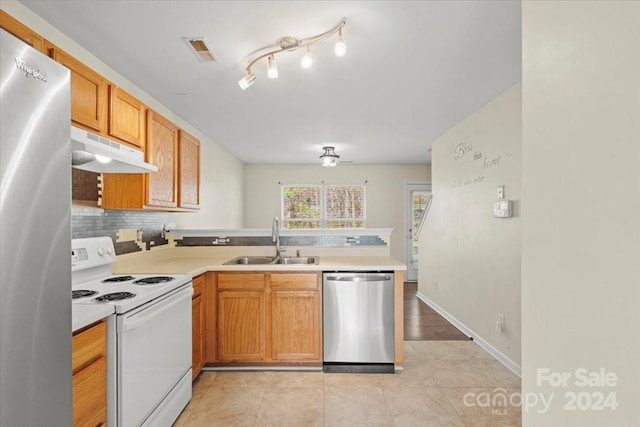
x=418 y=199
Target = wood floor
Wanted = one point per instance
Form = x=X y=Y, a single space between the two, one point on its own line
x=422 y=323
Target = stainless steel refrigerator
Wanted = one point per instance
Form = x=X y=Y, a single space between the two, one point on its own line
x=35 y=238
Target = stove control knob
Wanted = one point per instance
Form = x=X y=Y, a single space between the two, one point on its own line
x=109 y=250
x=101 y=251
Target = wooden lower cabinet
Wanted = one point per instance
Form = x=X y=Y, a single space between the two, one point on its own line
x=241 y=317
x=295 y=326
x=198 y=345
x=90 y=376
x=264 y=318
x=241 y=326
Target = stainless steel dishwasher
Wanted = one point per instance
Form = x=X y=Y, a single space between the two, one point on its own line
x=358 y=322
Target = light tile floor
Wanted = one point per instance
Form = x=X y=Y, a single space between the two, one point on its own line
x=444 y=383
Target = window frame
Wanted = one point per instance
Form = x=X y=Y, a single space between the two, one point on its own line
x=323 y=220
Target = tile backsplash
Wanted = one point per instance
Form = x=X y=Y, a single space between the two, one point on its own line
x=123 y=227
x=135 y=231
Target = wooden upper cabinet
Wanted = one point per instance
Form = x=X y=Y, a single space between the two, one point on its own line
x=162 y=151
x=89 y=93
x=127 y=118
x=24 y=33
x=189 y=166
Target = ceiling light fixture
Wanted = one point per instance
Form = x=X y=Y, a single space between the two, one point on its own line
x=329 y=158
x=290 y=44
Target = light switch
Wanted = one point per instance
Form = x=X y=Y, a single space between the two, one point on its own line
x=501 y=192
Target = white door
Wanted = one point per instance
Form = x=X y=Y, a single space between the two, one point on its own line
x=418 y=198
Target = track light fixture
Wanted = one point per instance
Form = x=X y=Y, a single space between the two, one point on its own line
x=291 y=44
x=329 y=158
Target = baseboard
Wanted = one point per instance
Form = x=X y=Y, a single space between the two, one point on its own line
x=497 y=354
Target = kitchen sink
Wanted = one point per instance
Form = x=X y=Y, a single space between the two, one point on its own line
x=299 y=260
x=258 y=260
x=250 y=260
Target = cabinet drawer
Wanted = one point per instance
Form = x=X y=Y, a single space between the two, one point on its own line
x=89 y=345
x=294 y=281
x=90 y=395
x=198 y=285
x=252 y=281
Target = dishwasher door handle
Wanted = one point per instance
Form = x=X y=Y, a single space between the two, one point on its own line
x=359 y=278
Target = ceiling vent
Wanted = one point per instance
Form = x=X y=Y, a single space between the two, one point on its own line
x=199 y=46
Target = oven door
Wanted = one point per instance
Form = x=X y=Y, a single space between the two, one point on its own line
x=154 y=353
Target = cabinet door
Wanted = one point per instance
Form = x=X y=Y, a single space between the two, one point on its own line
x=241 y=326
x=24 y=33
x=162 y=151
x=189 y=166
x=211 y=317
x=198 y=325
x=126 y=118
x=296 y=331
x=88 y=93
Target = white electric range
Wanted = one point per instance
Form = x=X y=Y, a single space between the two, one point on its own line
x=149 y=338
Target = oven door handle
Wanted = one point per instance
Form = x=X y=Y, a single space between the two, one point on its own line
x=135 y=321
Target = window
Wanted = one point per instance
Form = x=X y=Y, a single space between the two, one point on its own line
x=323 y=206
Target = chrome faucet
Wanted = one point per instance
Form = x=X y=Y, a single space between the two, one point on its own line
x=275 y=236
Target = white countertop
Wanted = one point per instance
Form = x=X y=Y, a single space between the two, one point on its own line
x=85 y=314
x=196 y=266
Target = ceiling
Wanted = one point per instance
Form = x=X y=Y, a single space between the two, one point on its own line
x=413 y=69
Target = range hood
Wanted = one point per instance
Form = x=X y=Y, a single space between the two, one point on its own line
x=95 y=153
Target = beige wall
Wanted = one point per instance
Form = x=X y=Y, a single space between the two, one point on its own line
x=581 y=208
x=385 y=192
x=474 y=257
x=221 y=185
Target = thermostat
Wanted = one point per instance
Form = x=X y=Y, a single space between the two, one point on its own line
x=502 y=209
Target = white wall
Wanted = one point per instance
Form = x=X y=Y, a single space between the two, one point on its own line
x=581 y=205
x=221 y=184
x=474 y=257
x=385 y=192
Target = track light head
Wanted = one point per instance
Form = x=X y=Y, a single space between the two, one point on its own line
x=340 y=49
x=307 y=59
x=272 y=67
x=247 y=80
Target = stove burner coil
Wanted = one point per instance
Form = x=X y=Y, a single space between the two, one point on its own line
x=115 y=296
x=117 y=279
x=81 y=293
x=153 y=280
